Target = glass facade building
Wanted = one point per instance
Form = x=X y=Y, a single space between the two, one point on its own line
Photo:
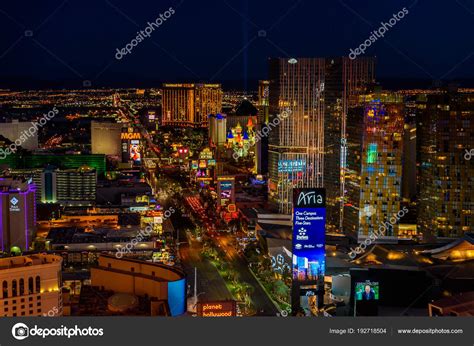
x=296 y=143
x=189 y=104
x=445 y=130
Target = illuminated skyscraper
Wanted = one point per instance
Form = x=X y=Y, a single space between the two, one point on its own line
x=189 y=105
x=76 y=186
x=105 y=138
x=374 y=166
x=16 y=129
x=261 y=159
x=17 y=213
x=217 y=129
x=345 y=80
x=263 y=92
x=446 y=168
x=296 y=143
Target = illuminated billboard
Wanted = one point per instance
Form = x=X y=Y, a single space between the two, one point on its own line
x=372 y=153
x=130 y=135
x=288 y=166
x=134 y=151
x=366 y=291
x=225 y=190
x=309 y=223
x=226 y=308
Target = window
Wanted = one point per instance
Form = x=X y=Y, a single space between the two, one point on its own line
x=5 y=289
x=22 y=287
x=14 y=288
x=30 y=286
x=38 y=284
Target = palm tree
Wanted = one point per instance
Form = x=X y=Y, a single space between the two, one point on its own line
x=281 y=289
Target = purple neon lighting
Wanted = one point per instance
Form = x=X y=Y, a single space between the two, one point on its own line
x=1 y=221
x=31 y=188
x=26 y=222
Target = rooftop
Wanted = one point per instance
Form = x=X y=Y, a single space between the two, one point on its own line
x=27 y=261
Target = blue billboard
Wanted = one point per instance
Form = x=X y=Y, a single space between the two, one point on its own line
x=177 y=297
x=290 y=166
x=309 y=224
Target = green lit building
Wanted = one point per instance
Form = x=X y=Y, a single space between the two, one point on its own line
x=61 y=161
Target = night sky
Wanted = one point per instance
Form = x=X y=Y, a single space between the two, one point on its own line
x=76 y=40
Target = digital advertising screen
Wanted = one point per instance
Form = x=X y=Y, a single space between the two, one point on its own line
x=309 y=223
x=135 y=154
x=225 y=191
x=288 y=166
x=365 y=291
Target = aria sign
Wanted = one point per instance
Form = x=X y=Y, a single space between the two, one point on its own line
x=309 y=221
x=310 y=198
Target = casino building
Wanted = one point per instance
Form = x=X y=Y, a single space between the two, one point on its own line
x=17 y=213
x=105 y=138
x=373 y=173
x=31 y=286
x=189 y=104
x=162 y=288
x=296 y=144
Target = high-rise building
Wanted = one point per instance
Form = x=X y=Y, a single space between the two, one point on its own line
x=31 y=286
x=217 y=129
x=345 y=79
x=263 y=117
x=189 y=105
x=374 y=166
x=16 y=129
x=76 y=186
x=263 y=92
x=65 y=161
x=296 y=143
x=445 y=135
x=105 y=138
x=17 y=213
x=35 y=174
x=67 y=187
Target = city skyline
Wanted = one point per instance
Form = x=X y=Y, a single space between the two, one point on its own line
x=287 y=158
